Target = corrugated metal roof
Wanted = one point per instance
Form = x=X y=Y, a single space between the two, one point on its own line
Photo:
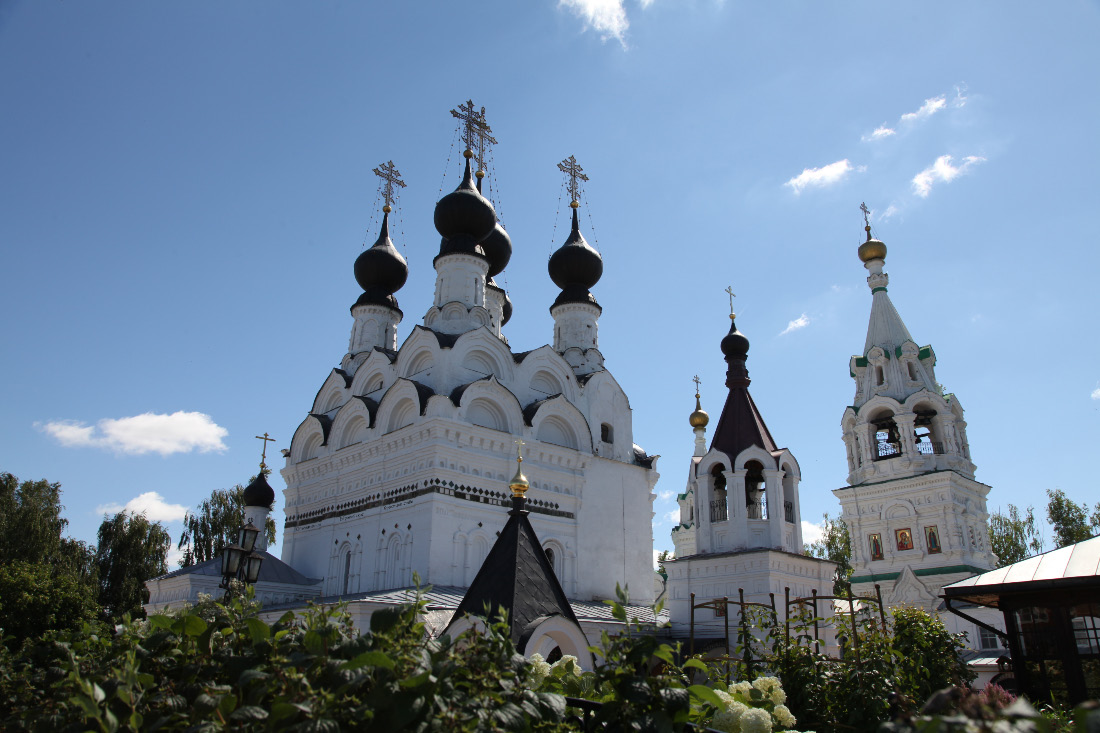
x=1075 y=562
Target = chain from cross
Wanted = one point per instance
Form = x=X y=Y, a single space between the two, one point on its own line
x=484 y=138
x=392 y=177
x=570 y=168
x=732 y=296
x=697 y=383
x=263 y=456
x=866 y=214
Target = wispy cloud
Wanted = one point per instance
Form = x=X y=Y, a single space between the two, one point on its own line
x=673 y=516
x=151 y=504
x=929 y=108
x=606 y=17
x=666 y=495
x=880 y=133
x=891 y=210
x=1096 y=393
x=820 y=177
x=179 y=432
x=801 y=322
x=942 y=171
x=811 y=532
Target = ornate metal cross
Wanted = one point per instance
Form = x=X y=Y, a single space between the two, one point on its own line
x=866 y=214
x=484 y=138
x=470 y=120
x=732 y=296
x=392 y=177
x=519 y=450
x=697 y=383
x=570 y=168
x=266 y=440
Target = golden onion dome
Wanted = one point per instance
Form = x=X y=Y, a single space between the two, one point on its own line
x=519 y=483
x=872 y=249
x=699 y=418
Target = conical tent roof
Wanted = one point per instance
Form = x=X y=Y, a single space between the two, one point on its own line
x=516 y=577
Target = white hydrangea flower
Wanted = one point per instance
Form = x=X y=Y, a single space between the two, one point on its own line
x=726 y=698
x=777 y=695
x=765 y=684
x=784 y=717
x=729 y=720
x=540 y=670
x=756 y=720
x=740 y=688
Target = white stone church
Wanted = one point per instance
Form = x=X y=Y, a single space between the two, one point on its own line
x=402 y=466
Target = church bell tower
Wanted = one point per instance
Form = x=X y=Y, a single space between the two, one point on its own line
x=915 y=513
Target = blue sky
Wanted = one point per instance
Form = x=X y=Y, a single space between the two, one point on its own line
x=184 y=187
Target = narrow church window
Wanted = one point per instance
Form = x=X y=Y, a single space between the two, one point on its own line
x=550 y=556
x=718 y=507
x=607 y=435
x=913 y=371
x=880 y=379
x=347 y=570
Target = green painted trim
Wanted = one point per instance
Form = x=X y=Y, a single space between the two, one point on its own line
x=925 y=352
x=875 y=290
x=680 y=497
x=920 y=573
x=861 y=361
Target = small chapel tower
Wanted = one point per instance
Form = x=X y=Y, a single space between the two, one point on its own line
x=740 y=524
x=916 y=516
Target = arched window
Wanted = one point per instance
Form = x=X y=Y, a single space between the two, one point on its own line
x=885 y=436
x=788 y=494
x=880 y=378
x=912 y=371
x=755 y=502
x=347 y=570
x=550 y=556
x=719 y=508
x=924 y=432
x=607 y=434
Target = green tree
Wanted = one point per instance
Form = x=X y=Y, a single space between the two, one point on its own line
x=31 y=524
x=1014 y=537
x=131 y=550
x=215 y=524
x=836 y=545
x=1071 y=521
x=34 y=599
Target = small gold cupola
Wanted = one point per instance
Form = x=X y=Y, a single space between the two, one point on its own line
x=519 y=483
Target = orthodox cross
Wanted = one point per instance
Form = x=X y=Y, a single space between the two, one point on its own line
x=392 y=177
x=866 y=214
x=519 y=451
x=732 y=296
x=697 y=383
x=266 y=440
x=484 y=138
x=570 y=168
x=470 y=119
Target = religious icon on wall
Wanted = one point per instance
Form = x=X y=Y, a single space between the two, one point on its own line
x=876 y=546
x=904 y=538
x=932 y=540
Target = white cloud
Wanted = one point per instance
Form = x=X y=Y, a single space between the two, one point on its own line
x=820 y=177
x=811 y=532
x=606 y=17
x=151 y=504
x=891 y=210
x=180 y=432
x=1096 y=393
x=666 y=495
x=942 y=171
x=880 y=133
x=801 y=322
x=673 y=516
x=175 y=554
x=929 y=108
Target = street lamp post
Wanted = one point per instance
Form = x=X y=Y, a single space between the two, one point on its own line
x=239 y=561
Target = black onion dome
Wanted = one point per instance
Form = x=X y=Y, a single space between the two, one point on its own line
x=575 y=265
x=381 y=270
x=507 y=315
x=498 y=249
x=735 y=345
x=259 y=492
x=465 y=211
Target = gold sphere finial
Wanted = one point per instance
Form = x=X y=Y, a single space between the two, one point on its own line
x=467 y=153
x=480 y=174
x=387 y=208
x=574 y=204
x=519 y=483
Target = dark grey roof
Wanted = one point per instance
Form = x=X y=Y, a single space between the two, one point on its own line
x=446 y=340
x=517 y=578
x=371 y=405
x=273 y=570
x=532 y=409
x=326 y=424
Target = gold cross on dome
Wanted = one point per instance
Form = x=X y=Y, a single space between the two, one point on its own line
x=570 y=168
x=732 y=296
x=519 y=450
x=866 y=214
x=392 y=177
x=263 y=456
x=697 y=383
